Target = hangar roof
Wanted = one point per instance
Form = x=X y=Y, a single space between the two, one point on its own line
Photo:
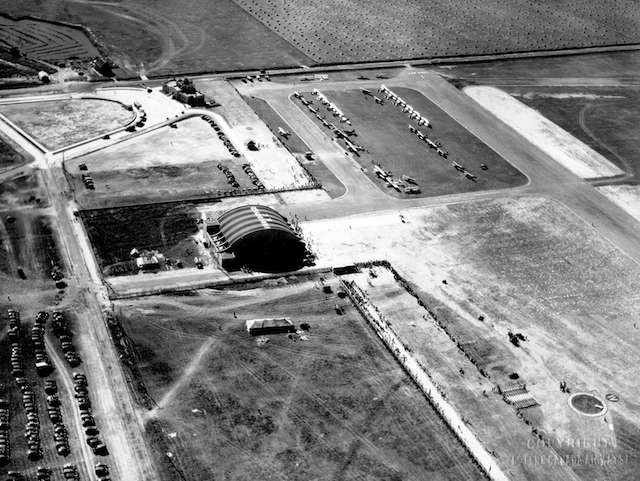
x=238 y=223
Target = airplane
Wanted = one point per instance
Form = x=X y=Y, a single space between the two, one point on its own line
x=411 y=180
x=365 y=91
x=351 y=133
x=378 y=100
x=380 y=172
x=412 y=129
x=283 y=132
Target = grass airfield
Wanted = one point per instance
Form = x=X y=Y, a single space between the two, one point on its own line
x=326 y=404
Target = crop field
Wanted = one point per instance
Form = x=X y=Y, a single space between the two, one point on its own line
x=328 y=403
x=605 y=119
x=46 y=41
x=383 y=131
x=296 y=146
x=164 y=37
x=331 y=32
x=168 y=228
x=60 y=123
x=10 y=154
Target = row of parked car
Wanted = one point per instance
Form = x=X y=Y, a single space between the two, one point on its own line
x=43 y=363
x=61 y=330
x=231 y=179
x=80 y=386
x=32 y=427
x=88 y=182
x=60 y=433
x=5 y=427
x=222 y=136
x=252 y=175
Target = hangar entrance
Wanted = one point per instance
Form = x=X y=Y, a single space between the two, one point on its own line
x=257 y=237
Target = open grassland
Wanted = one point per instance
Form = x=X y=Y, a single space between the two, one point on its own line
x=526 y=266
x=605 y=118
x=332 y=31
x=331 y=405
x=168 y=228
x=60 y=123
x=166 y=37
x=383 y=130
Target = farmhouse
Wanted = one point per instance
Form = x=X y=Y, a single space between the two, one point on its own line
x=274 y=325
x=258 y=237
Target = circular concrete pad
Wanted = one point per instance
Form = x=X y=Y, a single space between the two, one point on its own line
x=587 y=404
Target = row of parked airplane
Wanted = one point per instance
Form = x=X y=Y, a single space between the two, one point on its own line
x=406 y=108
x=338 y=132
x=442 y=153
x=331 y=106
x=406 y=184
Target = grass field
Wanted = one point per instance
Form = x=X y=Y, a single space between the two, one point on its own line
x=623 y=66
x=167 y=228
x=605 y=119
x=383 y=131
x=529 y=266
x=334 y=405
x=196 y=181
x=60 y=123
x=166 y=38
x=10 y=154
x=296 y=146
x=166 y=164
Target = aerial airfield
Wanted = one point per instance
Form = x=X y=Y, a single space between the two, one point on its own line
x=254 y=240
